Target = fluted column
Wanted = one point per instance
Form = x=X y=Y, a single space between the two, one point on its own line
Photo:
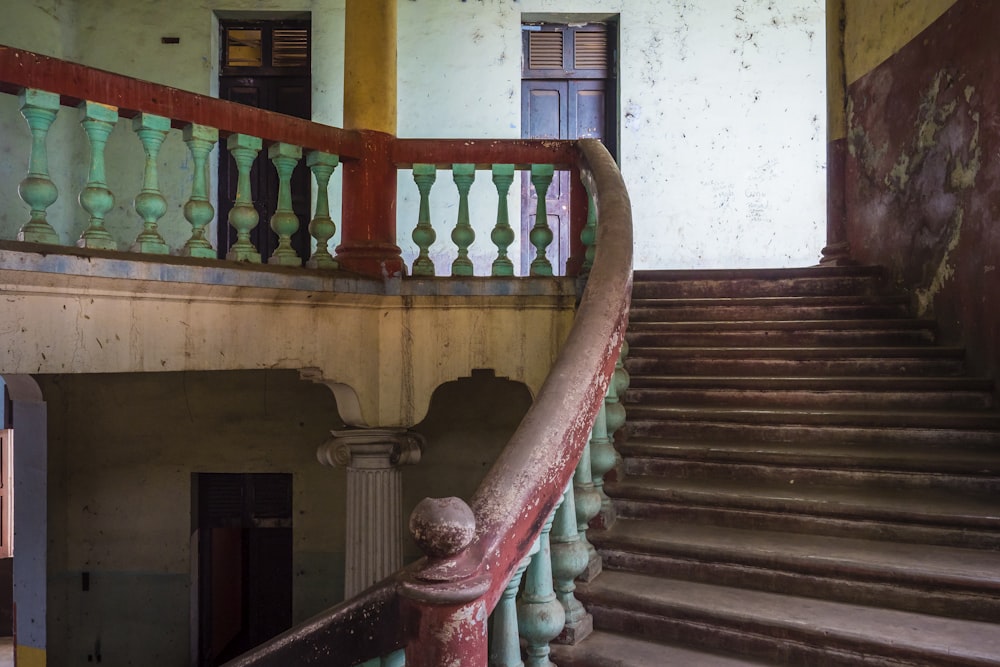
x=374 y=499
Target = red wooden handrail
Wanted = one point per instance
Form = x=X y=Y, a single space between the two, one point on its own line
x=448 y=598
x=75 y=83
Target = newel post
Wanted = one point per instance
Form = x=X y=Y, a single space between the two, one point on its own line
x=443 y=603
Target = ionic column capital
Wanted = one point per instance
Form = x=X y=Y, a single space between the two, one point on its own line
x=371 y=448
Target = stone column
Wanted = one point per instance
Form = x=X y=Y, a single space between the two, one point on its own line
x=372 y=456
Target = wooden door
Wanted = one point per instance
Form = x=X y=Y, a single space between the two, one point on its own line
x=266 y=65
x=566 y=79
x=243 y=524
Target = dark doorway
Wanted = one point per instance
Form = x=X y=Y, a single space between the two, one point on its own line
x=265 y=64
x=243 y=528
x=568 y=91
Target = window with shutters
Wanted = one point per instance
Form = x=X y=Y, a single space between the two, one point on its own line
x=554 y=51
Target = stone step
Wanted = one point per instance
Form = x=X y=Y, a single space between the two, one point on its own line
x=946 y=581
x=825 y=281
x=877 y=393
x=959 y=420
x=886 y=430
x=784 y=629
x=769 y=308
x=954 y=459
x=946 y=517
x=905 y=361
x=608 y=649
x=663 y=334
x=978 y=482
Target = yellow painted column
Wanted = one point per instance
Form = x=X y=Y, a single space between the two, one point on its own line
x=837 y=250
x=370 y=66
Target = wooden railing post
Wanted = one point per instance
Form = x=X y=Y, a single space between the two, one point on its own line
x=443 y=604
x=368 y=224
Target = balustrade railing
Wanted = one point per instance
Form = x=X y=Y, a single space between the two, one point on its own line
x=46 y=87
x=526 y=526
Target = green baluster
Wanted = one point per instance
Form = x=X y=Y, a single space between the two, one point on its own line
x=463 y=235
x=37 y=190
x=96 y=199
x=615 y=416
x=423 y=234
x=321 y=227
x=243 y=216
x=602 y=453
x=284 y=222
x=589 y=234
x=505 y=648
x=149 y=203
x=395 y=659
x=569 y=560
x=540 y=234
x=588 y=500
x=198 y=210
x=502 y=235
x=540 y=615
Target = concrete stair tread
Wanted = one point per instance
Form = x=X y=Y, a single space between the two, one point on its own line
x=607 y=649
x=821 y=622
x=913 y=564
x=854 y=383
x=713 y=326
x=983 y=419
x=770 y=301
x=861 y=501
x=768 y=274
x=974 y=459
x=786 y=352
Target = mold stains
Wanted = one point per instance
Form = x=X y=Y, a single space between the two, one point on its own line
x=944 y=271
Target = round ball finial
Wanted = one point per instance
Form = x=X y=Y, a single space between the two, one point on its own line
x=442 y=527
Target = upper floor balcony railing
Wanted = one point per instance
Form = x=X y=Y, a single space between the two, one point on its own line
x=75 y=187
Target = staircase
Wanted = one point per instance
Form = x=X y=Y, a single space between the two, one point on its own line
x=807 y=479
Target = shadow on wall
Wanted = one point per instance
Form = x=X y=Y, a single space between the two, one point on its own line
x=468 y=423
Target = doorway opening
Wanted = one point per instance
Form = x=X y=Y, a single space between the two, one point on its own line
x=267 y=65
x=568 y=91
x=242 y=529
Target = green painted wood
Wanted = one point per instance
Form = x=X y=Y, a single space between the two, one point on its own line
x=198 y=210
x=98 y=120
x=541 y=235
x=322 y=227
x=540 y=615
x=614 y=410
x=588 y=500
x=569 y=560
x=589 y=235
x=502 y=234
x=602 y=453
x=284 y=222
x=463 y=235
x=395 y=659
x=243 y=216
x=505 y=645
x=423 y=234
x=149 y=203
x=39 y=108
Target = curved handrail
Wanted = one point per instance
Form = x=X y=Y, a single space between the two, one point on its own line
x=530 y=475
x=518 y=493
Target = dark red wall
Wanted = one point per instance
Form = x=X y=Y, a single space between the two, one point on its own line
x=923 y=174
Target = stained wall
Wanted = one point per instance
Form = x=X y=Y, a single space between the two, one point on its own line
x=923 y=178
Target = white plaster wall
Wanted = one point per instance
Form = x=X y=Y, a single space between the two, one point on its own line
x=722 y=118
